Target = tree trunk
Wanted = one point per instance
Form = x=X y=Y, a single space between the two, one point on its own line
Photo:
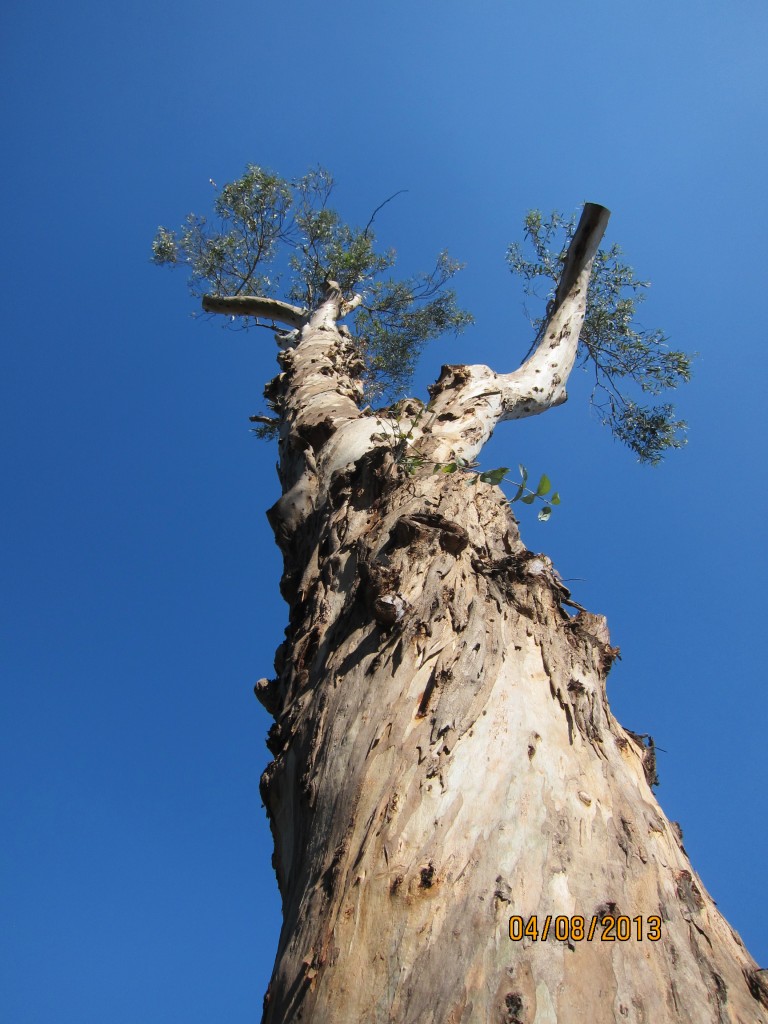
x=463 y=832
x=445 y=758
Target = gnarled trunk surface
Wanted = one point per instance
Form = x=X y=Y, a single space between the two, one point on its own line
x=444 y=755
x=445 y=758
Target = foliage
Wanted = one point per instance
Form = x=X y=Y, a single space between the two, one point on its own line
x=270 y=228
x=543 y=491
x=275 y=237
x=617 y=350
x=398 y=317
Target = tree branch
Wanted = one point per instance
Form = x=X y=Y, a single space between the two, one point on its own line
x=587 y=237
x=381 y=206
x=540 y=383
x=255 y=305
x=468 y=401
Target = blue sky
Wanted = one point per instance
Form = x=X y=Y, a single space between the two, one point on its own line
x=140 y=598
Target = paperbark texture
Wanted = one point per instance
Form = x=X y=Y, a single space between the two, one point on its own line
x=444 y=753
x=445 y=758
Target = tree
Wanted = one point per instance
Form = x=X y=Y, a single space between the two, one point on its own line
x=463 y=831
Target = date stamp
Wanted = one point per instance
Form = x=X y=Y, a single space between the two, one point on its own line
x=605 y=928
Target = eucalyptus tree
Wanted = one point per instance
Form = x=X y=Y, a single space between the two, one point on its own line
x=462 y=829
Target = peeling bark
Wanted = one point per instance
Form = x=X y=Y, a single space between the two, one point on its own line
x=443 y=767
x=444 y=753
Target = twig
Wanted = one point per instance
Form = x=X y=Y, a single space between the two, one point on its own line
x=373 y=215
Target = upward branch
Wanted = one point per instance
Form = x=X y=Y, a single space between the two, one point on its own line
x=540 y=383
x=469 y=401
x=623 y=357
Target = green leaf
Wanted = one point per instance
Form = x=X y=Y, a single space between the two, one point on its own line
x=545 y=513
x=523 y=473
x=518 y=494
x=450 y=468
x=544 y=486
x=555 y=499
x=494 y=476
x=528 y=499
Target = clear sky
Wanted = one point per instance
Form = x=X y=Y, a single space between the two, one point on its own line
x=140 y=599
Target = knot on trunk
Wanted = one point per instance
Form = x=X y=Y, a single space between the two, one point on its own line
x=381 y=591
x=593 y=630
x=267 y=695
x=450 y=377
x=389 y=609
x=452 y=537
x=757 y=980
x=648 y=747
x=689 y=893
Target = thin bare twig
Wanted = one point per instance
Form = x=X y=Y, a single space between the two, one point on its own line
x=379 y=207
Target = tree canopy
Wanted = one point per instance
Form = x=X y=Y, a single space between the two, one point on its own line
x=273 y=236
x=278 y=236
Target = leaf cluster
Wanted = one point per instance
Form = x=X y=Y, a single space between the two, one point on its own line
x=619 y=352
x=543 y=491
x=272 y=237
x=397 y=318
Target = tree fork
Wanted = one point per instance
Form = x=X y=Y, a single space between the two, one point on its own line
x=470 y=400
